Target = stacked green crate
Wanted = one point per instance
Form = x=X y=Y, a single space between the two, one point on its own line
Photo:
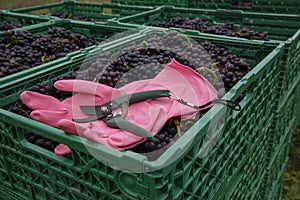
x=32 y=171
x=278 y=26
x=19 y=20
x=269 y=6
x=98 y=12
x=10 y=85
x=263 y=6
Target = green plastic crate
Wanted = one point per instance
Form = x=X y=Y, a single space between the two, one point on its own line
x=279 y=26
x=24 y=19
x=274 y=178
x=179 y=3
x=96 y=11
x=11 y=85
x=269 y=6
x=83 y=177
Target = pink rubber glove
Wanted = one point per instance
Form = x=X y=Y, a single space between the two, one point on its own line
x=150 y=115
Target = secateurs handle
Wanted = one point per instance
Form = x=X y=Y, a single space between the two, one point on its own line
x=120 y=123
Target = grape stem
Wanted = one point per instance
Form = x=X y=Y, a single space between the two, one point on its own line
x=262 y=36
x=45 y=58
x=144 y=43
x=26 y=113
x=69 y=16
x=215 y=63
x=15 y=41
x=207 y=70
x=184 y=36
x=177 y=124
x=242 y=60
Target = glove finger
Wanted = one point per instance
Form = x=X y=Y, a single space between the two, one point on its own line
x=124 y=140
x=93 y=136
x=62 y=149
x=99 y=127
x=50 y=117
x=96 y=131
x=36 y=101
x=72 y=127
x=83 y=86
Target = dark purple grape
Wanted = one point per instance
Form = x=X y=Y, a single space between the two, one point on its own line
x=172 y=130
x=227 y=29
x=4 y=26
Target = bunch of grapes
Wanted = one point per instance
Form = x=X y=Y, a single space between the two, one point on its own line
x=79 y=17
x=21 y=50
x=231 y=68
x=227 y=29
x=5 y=26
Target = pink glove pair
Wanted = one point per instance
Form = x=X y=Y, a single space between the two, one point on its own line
x=150 y=114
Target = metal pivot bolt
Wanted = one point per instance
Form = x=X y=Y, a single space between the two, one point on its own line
x=104 y=110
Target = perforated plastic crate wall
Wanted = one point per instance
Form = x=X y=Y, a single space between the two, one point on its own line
x=188 y=176
x=297 y=107
x=285 y=121
x=269 y=6
x=248 y=182
x=274 y=178
x=25 y=20
x=99 y=12
x=12 y=85
x=290 y=72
